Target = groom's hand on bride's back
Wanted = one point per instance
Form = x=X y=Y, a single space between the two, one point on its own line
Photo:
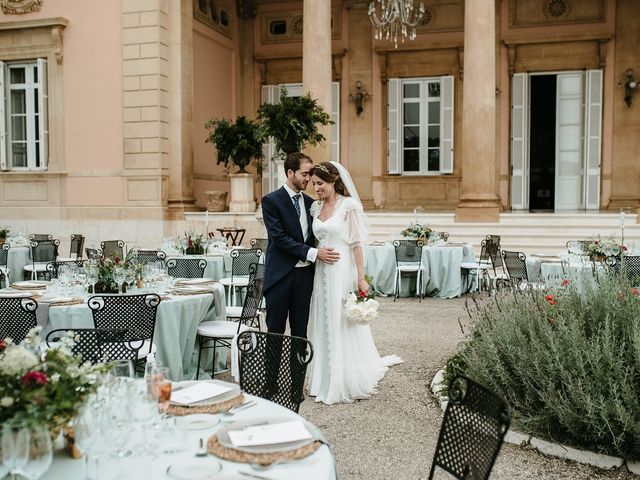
x=328 y=255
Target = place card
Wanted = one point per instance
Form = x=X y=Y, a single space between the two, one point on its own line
x=269 y=434
x=198 y=392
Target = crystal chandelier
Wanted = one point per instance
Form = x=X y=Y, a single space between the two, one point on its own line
x=391 y=18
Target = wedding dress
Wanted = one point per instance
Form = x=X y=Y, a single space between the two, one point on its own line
x=346 y=365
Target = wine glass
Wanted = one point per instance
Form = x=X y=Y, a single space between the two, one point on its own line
x=15 y=447
x=88 y=427
x=92 y=277
x=129 y=277
x=40 y=453
x=118 y=277
x=122 y=369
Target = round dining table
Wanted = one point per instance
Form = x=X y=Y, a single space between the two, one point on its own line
x=320 y=465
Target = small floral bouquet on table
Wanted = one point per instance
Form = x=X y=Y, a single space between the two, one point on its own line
x=416 y=230
x=193 y=243
x=4 y=233
x=104 y=268
x=599 y=249
x=44 y=387
x=360 y=306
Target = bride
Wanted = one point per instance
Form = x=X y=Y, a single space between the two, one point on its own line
x=346 y=364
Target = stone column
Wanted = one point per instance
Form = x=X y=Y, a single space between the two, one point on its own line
x=180 y=107
x=316 y=65
x=478 y=199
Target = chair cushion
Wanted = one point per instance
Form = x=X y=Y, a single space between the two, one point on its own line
x=234 y=312
x=216 y=329
x=39 y=267
x=409 y=268
x=475 y=265
x=237 y=281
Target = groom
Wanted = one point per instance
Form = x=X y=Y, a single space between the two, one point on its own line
x=288 y=277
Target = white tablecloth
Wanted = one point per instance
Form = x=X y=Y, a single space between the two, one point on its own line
x=318 y=466
x=441 y=264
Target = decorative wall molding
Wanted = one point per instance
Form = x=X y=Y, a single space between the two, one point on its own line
x=264 y=63
x=18 y=7
x=217 y=14
x=530 y=13
x=288 y=26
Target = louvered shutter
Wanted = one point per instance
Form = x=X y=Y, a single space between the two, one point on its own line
x=269 y=94
x=394 y=152
x=3 y=125
x=43 y=113
x=519 y=142
x=592 y=139
x=335 y=116
x=446 y=142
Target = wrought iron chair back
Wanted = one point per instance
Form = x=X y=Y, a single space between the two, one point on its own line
x=472 y=432
x=135 y=313
x=96 y=345
x=627 y=265
x=186 y=267
x=17 y=317
x=77 y=244
x=150 y=256
x=112 y=247
x=44 y=251
x=516 y=266
x=93 y=253
x=54 y=267
x=241 y=260
x=493 y=239
x=408 y=251
x=38 y=237
x=4 y=254
x=253 y=299
x=274 y=366
x=261 y=243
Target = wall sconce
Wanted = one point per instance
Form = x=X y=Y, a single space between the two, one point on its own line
x=629 y=86
x=359 y=95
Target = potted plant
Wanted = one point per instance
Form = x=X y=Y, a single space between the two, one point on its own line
x=238 y=143
x=293 y=122
x=4 y=233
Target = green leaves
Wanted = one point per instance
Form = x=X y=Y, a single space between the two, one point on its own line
x=237 y=143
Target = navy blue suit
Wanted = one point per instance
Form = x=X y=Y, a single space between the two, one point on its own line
x=287 y=288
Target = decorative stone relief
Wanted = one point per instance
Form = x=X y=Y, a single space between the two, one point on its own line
x=216 y=14
x=288 y=27
x=17 y=7
x=557 y=8
x=427 y=18
x=527 y=13
x=297 y=25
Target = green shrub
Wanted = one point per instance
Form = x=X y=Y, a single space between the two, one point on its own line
x=567 y=362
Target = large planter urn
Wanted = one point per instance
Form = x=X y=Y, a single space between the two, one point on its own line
x=242 y=193
x=216 y=200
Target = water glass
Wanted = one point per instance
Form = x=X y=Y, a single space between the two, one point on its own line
x=122 y=369
x=15 y=446
x=118 y=277
x=40 y=453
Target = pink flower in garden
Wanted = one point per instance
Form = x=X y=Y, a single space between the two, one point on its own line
x=550 y=299
x=3 y=345
x=565 y=282
x=635 y=291
x=34 y=377
x=117 y=259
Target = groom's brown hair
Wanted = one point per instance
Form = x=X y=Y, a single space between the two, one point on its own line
x=293 y=161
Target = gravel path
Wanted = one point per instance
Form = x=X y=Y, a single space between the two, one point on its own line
x=393 y=435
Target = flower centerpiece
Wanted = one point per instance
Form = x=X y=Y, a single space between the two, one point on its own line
x=105 y=267
x=360 y=306
x=4 y=233
x=43 y=387
x=599 y=249
x=194 y=243
x=416 y=230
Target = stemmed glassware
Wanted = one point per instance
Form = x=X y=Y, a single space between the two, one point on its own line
x=89 y=428
x=92 y=277
x=129 y=277
x=40 y=453
x=15 y=447
x=118 y=277
x=184 y=243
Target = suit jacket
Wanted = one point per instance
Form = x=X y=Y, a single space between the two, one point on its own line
x=286 y=242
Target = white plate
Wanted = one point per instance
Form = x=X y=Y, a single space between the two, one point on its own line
x=193 y=281
x=225 y=441
x=15 y=294
x=234 y=392
x=196 y=469
x=30 y=284
x=199 y=421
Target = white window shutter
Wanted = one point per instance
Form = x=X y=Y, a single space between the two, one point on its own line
x=3 y=124
x=519 y=142
x=446 y=116
x=394 y=127
x=269 y=94
x=592 y=139
x=335 y=116
x=43 y=112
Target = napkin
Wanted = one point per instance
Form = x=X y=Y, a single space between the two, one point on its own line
x=269 y=434
x=194 y=281
x=198 y=392
x=14 y=294
x=29 y=285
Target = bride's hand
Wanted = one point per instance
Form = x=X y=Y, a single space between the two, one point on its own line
x=363 y=286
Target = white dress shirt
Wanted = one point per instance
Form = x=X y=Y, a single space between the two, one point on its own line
x=304 y=225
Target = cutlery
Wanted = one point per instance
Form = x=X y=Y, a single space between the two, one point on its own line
x=253 y=475
x=236 y=409
x=202 y=452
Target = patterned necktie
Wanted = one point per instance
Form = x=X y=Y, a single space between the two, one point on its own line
x=295 y=199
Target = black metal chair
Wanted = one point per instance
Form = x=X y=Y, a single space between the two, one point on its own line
x=239 y=319
x=149 y=256
x=499 y=276
x=186 y=267
x=479 y=268
x=274 y=366
x=627 y=265
x=408 y=260
x=54 y=267
x=38 y=237
x=236 y=235
x=516 y=265
x=98 y=346
x=134 y=313
x=17 y=317
x=76 y=246
x=5 y=279
x=241 y=259
x=112 y=248
x=93 y=253
x=472 y=432
x=42 y=252
x=261 y=244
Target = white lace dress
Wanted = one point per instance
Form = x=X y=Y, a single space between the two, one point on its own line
x=346 y=365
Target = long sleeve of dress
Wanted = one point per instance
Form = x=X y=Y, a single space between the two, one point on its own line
x=357 y=231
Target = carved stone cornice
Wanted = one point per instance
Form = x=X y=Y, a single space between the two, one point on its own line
x=18 y=7
x=56 y=26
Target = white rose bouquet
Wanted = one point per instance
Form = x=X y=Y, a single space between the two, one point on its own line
x=361 y=307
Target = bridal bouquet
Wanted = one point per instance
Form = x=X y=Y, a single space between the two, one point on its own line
x=361 y=307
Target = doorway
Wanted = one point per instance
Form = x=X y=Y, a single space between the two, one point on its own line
x=542 y=143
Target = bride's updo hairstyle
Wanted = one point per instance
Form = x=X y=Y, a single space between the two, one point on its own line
x=327 y=172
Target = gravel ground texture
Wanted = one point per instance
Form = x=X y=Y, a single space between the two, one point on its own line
x=393 y=434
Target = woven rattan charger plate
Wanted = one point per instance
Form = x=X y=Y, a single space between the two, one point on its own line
x=216 y=448
x=220 y=403
x=73 y=301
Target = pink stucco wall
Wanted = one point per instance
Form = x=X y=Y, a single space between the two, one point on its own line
x=92 y=96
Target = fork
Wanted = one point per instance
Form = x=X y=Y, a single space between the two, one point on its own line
x=242 y=406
